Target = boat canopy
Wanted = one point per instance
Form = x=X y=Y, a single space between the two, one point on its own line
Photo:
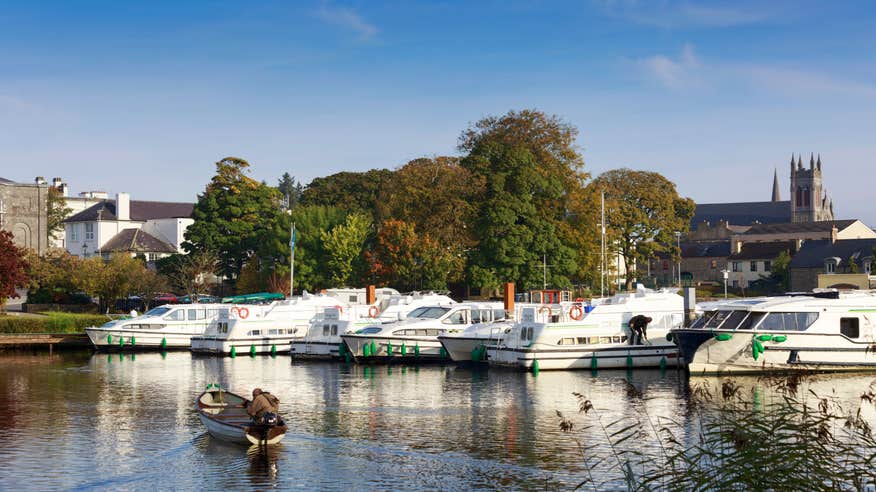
x=253 y=298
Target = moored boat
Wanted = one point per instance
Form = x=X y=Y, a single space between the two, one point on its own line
x=224 y=415
x=821 y=331
x=166 y=327
x=593 y=337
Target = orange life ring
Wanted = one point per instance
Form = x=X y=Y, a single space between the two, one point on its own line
x=544 y=309
x=576 y=313
x=340 y=308
x=579 y=300
x=373 y=312
x=243 y=312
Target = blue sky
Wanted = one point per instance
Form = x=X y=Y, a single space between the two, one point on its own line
x=145 y=97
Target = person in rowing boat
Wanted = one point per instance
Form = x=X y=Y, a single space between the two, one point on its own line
x=262 y=403
x=639 y=329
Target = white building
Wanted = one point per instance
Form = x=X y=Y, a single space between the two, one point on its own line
x=153 y=229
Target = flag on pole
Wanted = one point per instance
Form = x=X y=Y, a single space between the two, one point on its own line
x=292 y=239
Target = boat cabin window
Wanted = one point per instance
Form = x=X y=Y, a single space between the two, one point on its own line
x=432 y=312
x=325 y=330
x=370 y=330
x=499 y=314
x=272 y=332
x=750 y=321
x=787 y=321
x=222 y=327
x=197 y=314
x=526 y=333
x=456 y=318
x=566 y=341
x=702 y=320
x=717 y=319
x=732 y=321
x=159 y=311
x=849 y=327
x=178 y=315
x=255 y=332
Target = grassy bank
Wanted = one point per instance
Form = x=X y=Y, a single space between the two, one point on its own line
x=51 y=322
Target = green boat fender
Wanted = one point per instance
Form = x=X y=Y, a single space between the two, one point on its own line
x=233 y=352
x=373 y=347
x=663 y=363
x=163 y=343
x=779 y=338
x=404 y=349
x=341 y=350
x=252 y=350
x=273 y=350
x=723 y=337
x=121 y=342
x=133 y=341
x=765 y=338
x=535 y=367
x=388 y=348
x=593 y=363
x=109 y=339
x=669 y=337
x=366 y=350
x=629 y=361
x=417 y=349
x=758 y=345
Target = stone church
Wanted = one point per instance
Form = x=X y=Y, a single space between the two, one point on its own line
x=23 y=212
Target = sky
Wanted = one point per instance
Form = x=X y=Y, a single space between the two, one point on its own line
x=145 y=97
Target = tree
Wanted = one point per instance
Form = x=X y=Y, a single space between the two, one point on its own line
x=439 y=197
x=643 y=212
x=148 y=284
x=343 y=245
x=408 y=261
x=189 y=274
x=233 y=217
x=290 y=189
x=311 y=272
x=57 y=211
x=530 y=166
x=853 y=266
x=116 y=278
x=13 y=268
x=52 y=276
x=353 y=192
x=780 y=274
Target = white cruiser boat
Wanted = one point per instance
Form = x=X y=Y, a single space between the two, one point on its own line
x=171 y=326
x=822 y=331
x=416 y=338
x=271 y=328
x=323 y=338
x=598 y=339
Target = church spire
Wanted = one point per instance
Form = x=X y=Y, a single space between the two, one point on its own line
x=818 y=164
x=776 y=197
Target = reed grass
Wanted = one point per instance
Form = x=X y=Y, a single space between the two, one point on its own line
x=730 y=439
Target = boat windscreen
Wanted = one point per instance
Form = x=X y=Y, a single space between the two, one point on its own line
x=157 y=311
x=731 y=321
x=717 y=319
x=751 y=321
x=702 y=320
x=433 y=312
x=787 y=321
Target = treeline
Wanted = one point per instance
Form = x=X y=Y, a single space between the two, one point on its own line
x=517 y=206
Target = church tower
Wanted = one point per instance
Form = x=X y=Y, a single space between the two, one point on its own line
x=808 y=201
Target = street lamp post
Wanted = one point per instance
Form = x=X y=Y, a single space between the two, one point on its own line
x=726 y=274
x=84 y=250
x=678 y=244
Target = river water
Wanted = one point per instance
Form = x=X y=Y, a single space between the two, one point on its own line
x=78 y=421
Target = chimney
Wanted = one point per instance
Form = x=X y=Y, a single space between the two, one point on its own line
x=123 y=206
x=370 y=295
x=39 y=180
x=508 y=298
x=60 y=186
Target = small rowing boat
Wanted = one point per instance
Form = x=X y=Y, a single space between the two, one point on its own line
x=224 y=415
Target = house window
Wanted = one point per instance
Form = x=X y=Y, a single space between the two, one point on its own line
x=830 y=267
x=151 y=256
x=767 y=266
x=736 y=267
x=714 y=264
x=735 y=284
x=74 y=232
x=89 y=231
x=753 y=266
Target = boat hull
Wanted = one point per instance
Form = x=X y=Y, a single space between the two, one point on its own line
x=460 y=349
x=603 y=357
x=318 y=350
x=707 y=352
x=229 y=421
x=241 y=346
x=115 y=339
x=389 y=349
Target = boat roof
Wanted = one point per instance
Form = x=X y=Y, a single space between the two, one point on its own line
x=256 y=297
x=802 y=301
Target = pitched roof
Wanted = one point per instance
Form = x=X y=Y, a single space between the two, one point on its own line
x=137 y=241
x=742 y=213
x=701 y=249
x=140 y=211
x=797 y=227
x=759 y=251
x=4 y=180
x=813 y=253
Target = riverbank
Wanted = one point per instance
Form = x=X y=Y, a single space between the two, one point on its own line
x=50 y=341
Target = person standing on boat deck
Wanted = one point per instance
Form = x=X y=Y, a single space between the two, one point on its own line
x=262 y=402
x=638 y=329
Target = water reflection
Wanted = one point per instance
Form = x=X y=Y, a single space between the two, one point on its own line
x=117 y=421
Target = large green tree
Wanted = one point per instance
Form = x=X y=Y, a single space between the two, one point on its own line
x=439 y=198
x=343 y=246
x=351 y=191
x=290 y=189
x=643 y=213
x=530 y=166
x=233 y=217
x=311 y=258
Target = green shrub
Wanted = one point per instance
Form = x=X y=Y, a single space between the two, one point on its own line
x=53 y=322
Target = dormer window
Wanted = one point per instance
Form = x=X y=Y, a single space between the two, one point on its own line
x=831 y=264
x=867 y=261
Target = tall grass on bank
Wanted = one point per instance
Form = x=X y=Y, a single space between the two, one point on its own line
x=52 y=322
x=731 y=440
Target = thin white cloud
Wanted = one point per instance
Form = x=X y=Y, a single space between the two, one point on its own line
x=687 y=70
x=348 y=19
x=680 y=14
x=675 y=73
